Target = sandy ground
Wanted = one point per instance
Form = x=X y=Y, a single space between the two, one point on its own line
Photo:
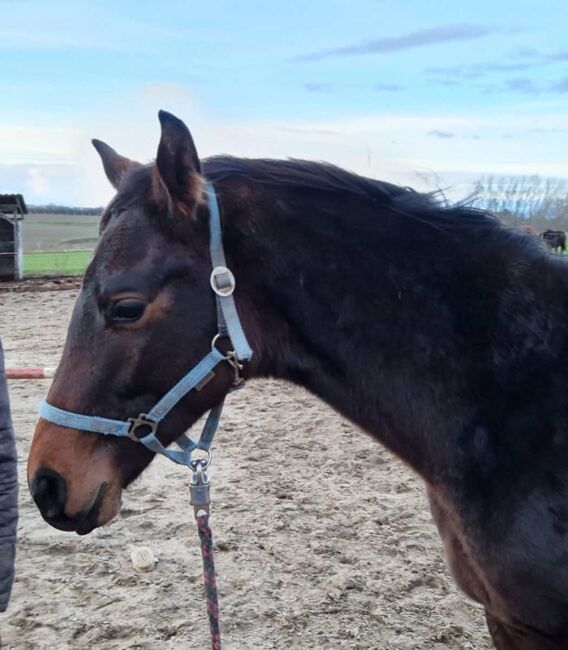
x=323 y=539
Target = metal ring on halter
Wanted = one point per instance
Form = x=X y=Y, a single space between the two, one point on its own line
x=231 y=358
x=227 y=356
x=201 y=463
x=143 y=422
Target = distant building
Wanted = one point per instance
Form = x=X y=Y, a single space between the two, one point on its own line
x=12 y=211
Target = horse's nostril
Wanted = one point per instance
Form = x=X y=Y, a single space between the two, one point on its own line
x=49 y=492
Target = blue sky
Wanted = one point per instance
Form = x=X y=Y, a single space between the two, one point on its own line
x=418 y=92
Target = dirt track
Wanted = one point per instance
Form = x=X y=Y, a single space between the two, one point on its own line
x=323 y=539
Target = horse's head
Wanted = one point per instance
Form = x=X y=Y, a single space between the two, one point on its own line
x=144 y=317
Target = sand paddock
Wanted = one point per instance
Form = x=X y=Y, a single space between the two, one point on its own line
x=324 y=540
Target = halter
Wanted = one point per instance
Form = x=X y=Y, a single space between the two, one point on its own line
x=143 y=428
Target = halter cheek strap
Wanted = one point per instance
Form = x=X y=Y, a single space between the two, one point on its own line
x=143 y=428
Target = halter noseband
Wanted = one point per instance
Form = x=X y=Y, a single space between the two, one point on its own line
x=143 y=427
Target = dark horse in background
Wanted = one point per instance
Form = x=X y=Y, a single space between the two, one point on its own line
x=555 y=239
x=435 y=329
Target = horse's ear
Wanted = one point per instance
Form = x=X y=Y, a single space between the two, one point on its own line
x=114 y=164
x=178 y=165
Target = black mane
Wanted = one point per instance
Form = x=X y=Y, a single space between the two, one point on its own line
x=307 y=174
x=429 y=210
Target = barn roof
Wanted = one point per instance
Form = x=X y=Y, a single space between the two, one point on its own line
x=13 y=203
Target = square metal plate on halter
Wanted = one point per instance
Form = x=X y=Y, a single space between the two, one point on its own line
x=222 y=281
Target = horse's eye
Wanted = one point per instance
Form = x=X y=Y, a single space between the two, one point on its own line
x=127 y=310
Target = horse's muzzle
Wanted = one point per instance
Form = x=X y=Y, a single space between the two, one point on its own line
x=73 y=478
x=49 y=491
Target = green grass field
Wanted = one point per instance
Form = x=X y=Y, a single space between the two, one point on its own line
x=59 y=232
x=56 y=263
x=58 y=244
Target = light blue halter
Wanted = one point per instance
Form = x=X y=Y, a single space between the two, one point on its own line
x=143 y=427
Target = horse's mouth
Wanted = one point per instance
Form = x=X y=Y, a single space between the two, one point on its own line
x=90 y=520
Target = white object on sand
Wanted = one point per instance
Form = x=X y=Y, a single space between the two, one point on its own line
x=143 y=558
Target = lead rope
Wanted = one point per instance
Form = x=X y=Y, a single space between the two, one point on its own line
x=199 y=491
x=209 y=580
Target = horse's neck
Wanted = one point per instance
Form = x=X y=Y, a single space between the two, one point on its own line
x=416 y=368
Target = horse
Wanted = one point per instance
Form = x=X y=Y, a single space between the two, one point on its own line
x=555 y=239
x=434 y=328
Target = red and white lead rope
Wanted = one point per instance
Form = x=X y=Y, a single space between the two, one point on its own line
x=30 y=373
x=209 y=578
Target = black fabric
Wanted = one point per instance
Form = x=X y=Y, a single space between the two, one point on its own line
x=8 y=492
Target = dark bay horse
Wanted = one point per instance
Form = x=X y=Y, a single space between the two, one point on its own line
x=555 y=239
x=435 y=329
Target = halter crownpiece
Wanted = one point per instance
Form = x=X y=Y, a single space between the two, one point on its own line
x=143 y=428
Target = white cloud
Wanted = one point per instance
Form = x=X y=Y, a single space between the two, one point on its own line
x=166 y=91
x=37 y=182
x=393 y=147
x=33 y=143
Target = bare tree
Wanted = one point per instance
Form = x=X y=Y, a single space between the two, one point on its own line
x=535 y=201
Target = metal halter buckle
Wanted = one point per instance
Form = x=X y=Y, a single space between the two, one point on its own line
x=222 y=281
x=232 y=359
x=143 y=422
